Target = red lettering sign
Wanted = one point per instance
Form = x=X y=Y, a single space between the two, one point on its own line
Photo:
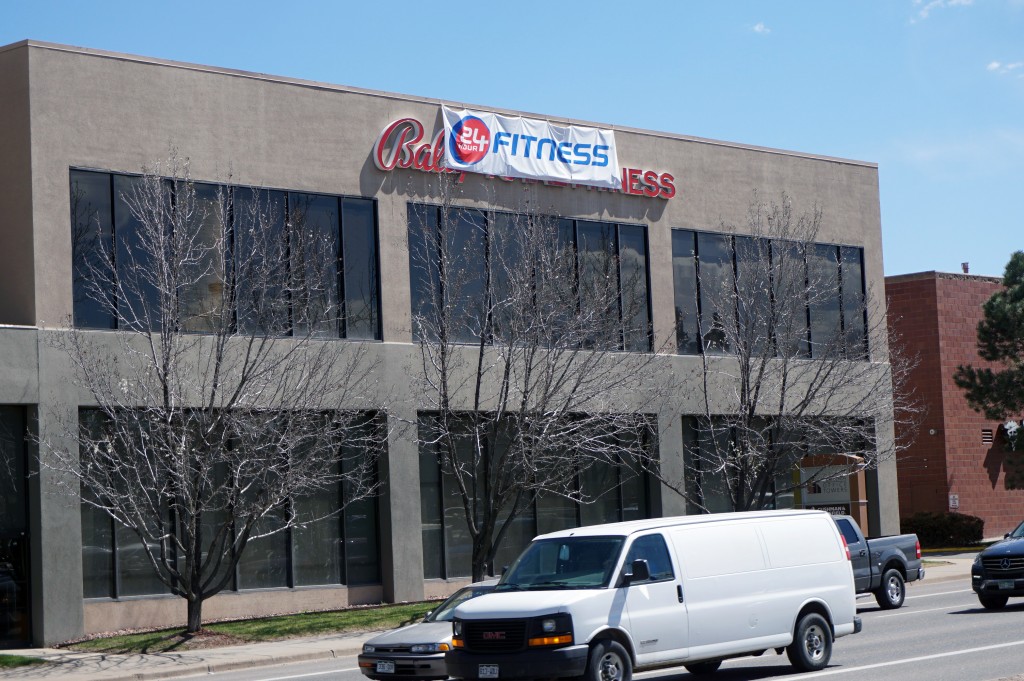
x=401 y=145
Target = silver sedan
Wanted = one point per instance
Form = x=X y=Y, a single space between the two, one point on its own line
x=417 y=651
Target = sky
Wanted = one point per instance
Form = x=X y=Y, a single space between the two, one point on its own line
x=930 y=90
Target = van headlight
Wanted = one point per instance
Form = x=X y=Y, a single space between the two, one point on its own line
x=457 y=627
x=551 y=630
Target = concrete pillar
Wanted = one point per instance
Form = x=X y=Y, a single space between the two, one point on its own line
x=401 y=536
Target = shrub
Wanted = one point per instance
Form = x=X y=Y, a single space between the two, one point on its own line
x=936 y=530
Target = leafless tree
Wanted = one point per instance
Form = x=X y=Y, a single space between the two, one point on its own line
x=796 y=362
x=220 y=405
x=535 y=351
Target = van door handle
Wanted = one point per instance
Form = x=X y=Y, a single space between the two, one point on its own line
x=679 y=590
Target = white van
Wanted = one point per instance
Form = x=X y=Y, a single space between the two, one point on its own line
x=604 y=600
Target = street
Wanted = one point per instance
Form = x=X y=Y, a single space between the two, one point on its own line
x=940 y=634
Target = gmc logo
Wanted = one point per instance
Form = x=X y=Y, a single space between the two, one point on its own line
x=494 y=635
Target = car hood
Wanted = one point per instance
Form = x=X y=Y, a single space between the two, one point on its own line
x=424 y=632
x=1006 y=547
x=522 y=603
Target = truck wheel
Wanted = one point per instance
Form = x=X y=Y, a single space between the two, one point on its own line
x=993 y=602
x=892 y=592
x=703 y=668
x=811 y=648
x=609 y=661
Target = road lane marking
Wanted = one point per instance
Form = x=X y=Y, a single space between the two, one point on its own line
x=944 y=593
x=909 y=660
x=306 y=676
x=909 y=612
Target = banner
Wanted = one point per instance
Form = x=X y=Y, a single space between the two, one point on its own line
x=512 y=146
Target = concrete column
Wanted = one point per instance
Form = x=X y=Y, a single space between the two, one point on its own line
x=401 y=535
x=670 y=451
x=55 y=522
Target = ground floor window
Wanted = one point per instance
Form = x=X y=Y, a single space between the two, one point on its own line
x=15 y=587
x=618 y=491
x=343 y=549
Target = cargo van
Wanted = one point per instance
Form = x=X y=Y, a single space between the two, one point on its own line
x=605 y=600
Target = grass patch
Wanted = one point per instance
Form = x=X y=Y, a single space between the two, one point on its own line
x=263 y=629
x=8 y=661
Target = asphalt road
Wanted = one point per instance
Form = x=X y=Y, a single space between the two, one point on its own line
x=940 y=634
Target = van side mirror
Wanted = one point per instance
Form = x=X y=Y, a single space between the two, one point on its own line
x=639 y=572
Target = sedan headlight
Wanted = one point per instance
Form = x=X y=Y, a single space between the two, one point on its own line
x=430 y=648
x=369 y=649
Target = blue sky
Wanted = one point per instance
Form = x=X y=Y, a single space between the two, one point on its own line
x=931 y=90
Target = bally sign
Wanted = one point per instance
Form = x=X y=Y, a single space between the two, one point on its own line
x=469 y=143
x=508 y=146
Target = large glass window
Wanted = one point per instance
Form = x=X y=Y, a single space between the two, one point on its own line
x=684 y=280
x=336 y=295
x=325 y=547
x=792 y=299
x=715 y=279
x=606 y=254
x=616 y=492
x=15 y=577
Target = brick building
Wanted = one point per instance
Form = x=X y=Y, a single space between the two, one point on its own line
x=958 y=461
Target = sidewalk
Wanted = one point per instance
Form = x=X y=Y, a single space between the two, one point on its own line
x=101 y=667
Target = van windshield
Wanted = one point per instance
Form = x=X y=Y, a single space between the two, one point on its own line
x=568 y=563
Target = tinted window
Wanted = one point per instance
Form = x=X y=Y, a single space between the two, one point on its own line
x=823 y=291
x=849 y=534
x=652 y=549
x=715 y=273
x=92 y=230
x=362 y=316
x=854 y=314
x=633 y=288
x=684 y=280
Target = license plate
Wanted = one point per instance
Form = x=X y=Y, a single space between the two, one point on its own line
x=487 y=671
x=1004 y=584
x=385 y=667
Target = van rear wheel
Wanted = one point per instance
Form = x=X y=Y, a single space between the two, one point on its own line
x=608 y=661
x=811 y=648
x=703 y=668
x=892 y=591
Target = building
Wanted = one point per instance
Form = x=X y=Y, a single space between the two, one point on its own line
x=89 y=120
x=958 y=460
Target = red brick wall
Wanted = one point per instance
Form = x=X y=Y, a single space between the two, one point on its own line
x=938 y=314
x=913 y=314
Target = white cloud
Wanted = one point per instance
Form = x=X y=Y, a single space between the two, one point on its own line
x=759 y=27
x=1005 y=69
x=925 y=8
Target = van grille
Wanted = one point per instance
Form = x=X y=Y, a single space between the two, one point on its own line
x=494 y=635
x=1004 y=567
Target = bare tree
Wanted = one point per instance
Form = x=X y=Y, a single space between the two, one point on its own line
x=537 y=360
x=796 y=362
x=219 y=407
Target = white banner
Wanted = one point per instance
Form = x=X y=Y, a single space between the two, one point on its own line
x=507 y=146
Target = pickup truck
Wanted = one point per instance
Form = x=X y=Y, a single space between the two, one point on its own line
x=883 y=565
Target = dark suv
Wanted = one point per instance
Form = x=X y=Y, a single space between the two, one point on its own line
x=998 y=571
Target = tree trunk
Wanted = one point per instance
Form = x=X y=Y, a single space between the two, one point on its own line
x=195 y=616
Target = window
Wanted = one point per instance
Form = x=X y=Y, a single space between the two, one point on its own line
x=776 y=296
x=335 y=548
x=619 y=492
x=453 y=292
x=651 y=548
x=339 y=297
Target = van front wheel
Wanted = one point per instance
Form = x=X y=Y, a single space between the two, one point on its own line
x=609 y=661
x=811 y=648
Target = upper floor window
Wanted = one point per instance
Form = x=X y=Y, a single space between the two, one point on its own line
x=486 y=276
x=740 y=294
x=249 y=258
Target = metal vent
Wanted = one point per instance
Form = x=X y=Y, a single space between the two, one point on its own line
x=986 y=436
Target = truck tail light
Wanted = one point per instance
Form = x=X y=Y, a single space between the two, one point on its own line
x=919 y=549
x=846 y=547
